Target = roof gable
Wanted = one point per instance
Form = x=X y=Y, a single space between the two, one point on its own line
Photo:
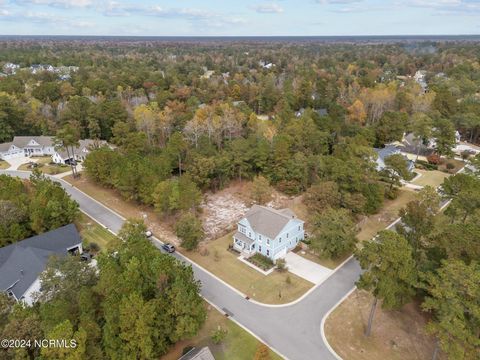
x=21 y=263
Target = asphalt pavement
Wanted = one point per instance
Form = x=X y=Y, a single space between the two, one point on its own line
x=292 y=330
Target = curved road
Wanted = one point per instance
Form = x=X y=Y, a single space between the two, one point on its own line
x=292 y=330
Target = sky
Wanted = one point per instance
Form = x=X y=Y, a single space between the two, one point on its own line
x=239 y=18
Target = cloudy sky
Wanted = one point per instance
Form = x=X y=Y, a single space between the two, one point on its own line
x=239 y=17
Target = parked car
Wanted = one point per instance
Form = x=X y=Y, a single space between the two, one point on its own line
x=169 y=248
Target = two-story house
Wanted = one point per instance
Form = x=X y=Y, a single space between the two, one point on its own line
x=22 y=146
x=268 y=231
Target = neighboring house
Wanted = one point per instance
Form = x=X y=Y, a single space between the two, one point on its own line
x=421 y=79
x=61 y=156
x=413 y=145
x=22 y=263
x=268 y=231
x=27 y=146
x=198 y=354
x=387 y=151
x=321 y=112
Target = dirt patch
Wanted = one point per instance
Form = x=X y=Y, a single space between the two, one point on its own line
x=223 y=209
x=396 y=335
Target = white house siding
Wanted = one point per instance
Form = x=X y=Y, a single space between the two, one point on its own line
x=28 y=297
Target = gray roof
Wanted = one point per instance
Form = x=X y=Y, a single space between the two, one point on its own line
x=242 y=237
x=22 y=262
x=268 y=221
x=22 y=141
x=387 y=151
x=5 y=146
x=83 y=144
x=198 y=354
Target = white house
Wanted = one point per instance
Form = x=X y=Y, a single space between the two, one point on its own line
x=61 y=156
x=268 y=231
x=22 y=263
x=27 y=146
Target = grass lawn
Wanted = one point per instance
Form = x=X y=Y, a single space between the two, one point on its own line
x=433 y=178
x=328 y=263
x=237 y=345
x=372 y=224
x=396 y=335
x=91 y=231
x=272 y=289
x=4 y=165
x=45 y=167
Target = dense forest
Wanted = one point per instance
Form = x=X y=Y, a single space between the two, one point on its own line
x=187 y=118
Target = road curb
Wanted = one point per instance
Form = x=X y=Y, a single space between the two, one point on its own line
x=322 y=323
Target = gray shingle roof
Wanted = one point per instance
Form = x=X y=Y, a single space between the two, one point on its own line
x=21 y=263
x=22 y=141
x=198 y=354
x=267 y=221
x=5 y=146
x=242 y=237
x=83 y=144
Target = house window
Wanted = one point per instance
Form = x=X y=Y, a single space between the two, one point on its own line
x=260 y=248
x=299 y=228
x=249 y=234
x=260 y=237
x=287 y=235
x=268 y=241
x=279 y=240
x=268 y=252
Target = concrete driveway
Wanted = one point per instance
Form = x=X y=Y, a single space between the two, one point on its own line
x=306 y=269
x=17 y=162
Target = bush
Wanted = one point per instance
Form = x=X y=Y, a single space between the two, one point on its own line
x=189 y=230
x=281 y=265
x=261 y=261
x=425 y=165
x=433 y=159
x=465 y=155
x=218 y=335
x=450 y=166
x=93 y=247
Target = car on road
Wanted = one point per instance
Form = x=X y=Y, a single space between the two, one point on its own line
x=169 y=248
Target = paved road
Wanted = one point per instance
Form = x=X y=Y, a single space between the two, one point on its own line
x=293 y=330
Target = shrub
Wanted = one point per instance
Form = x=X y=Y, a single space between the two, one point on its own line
x=281 y=265
x=450 y=166
x=261 y=261
x=433 y=159
x=93 y=247
x=465 y=155
x=288 y=280
x=218 y=335
x=426 y=165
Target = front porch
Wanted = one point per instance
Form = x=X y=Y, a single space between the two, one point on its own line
x=243 y=244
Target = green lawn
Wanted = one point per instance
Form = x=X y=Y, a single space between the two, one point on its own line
x=372 y=224
x=4 y=165
x=45 y=166
x=274 y=288
x=237 y=345
x=91 y=231
x=433 y=178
